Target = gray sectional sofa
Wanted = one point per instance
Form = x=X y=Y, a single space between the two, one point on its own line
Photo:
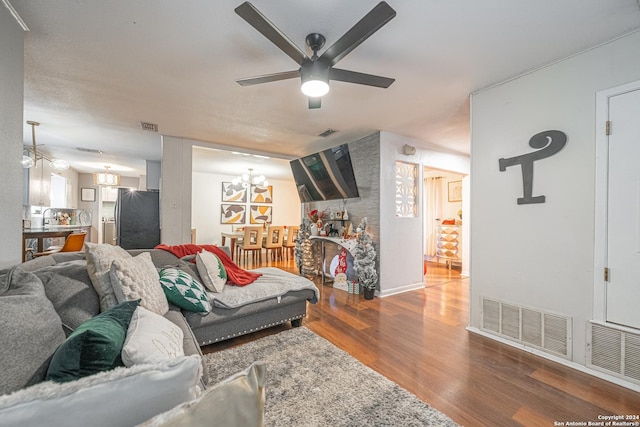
x=43 y=301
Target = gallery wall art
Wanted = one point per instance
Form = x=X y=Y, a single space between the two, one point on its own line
x=233 y=214
x=234 y=192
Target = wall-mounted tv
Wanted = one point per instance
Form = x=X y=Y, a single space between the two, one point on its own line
x=327 y=175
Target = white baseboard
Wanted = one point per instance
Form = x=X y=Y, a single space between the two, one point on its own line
x=565 y=362
x=399 y=290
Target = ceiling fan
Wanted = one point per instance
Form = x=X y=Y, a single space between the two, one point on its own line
x=315 y=72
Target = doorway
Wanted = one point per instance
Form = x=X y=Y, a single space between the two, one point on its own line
x=443 y=223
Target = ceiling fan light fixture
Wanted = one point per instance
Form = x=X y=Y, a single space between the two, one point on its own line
x=315 y=88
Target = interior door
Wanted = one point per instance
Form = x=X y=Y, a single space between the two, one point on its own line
x=623 y=216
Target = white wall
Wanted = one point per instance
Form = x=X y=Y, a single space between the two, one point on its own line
x=401 y=244
x=207 y=198
x=11 y=124
x=541 y=255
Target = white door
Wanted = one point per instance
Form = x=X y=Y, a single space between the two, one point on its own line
x=623 y=224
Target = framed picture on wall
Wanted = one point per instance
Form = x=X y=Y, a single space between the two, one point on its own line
x=260 y=214
x=87 y=194
x=455 y=191
x=233 y=192
x=233 y=214
x=261 y=193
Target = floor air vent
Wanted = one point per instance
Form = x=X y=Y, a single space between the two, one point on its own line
x=615 y=351
x=546 y=331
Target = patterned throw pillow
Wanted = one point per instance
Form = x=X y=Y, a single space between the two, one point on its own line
x=151 y=338
x=184 y=291
x=99 y=259
x=212 y=271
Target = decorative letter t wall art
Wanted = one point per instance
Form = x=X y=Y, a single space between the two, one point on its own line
x=548 y=143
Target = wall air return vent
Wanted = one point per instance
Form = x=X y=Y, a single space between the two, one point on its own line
x=528 y=326
x=615 y=351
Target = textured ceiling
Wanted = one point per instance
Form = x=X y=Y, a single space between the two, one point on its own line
x=94 y=69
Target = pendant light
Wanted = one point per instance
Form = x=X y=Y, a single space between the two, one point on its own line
x=106 y=178
x=246 y=179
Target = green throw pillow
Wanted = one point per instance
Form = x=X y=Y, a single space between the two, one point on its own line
x=184 y=291
x=95 y=346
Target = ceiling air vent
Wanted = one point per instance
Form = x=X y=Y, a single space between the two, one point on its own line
x=89 y=150
x=151 y=127
x=328 y=132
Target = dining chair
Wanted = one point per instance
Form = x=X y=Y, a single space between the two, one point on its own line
x=73 y=243
x=290 y=241
x=273 y=242
x=251 y=242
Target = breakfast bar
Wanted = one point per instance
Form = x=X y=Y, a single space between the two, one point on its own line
x=48 y=233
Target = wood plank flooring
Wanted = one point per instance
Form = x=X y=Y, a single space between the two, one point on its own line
x=418 y=340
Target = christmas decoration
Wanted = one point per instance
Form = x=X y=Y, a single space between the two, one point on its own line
x=364 y=257
x=302 y=251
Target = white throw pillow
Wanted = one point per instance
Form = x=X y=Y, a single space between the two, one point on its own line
x=151 y=339
x=99 y=260
x=120 y=397
x=137 y=278
x=212 y=272
x=236 y=401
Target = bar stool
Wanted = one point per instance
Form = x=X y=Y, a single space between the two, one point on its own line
x=73 y=243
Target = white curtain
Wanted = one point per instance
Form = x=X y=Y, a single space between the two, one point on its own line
x=433 y=187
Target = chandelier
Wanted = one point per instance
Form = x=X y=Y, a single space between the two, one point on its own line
x=247 y=178
x=106 y=178
x=28 y=162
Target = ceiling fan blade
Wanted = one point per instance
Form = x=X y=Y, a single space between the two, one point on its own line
x=258 y=21
x=363 y=29
x=314 y=103
x=249 y=81
x=359 y=78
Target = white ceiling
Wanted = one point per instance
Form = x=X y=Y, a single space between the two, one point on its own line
x=94 y=69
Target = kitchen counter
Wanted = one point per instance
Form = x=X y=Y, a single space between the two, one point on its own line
x=48 y=232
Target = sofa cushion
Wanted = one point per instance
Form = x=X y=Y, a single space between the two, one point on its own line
x=151 y=338
x=120 y=397
x=137 y=278
x=235 y=401
x=30 y=330
x=69 y=288
x=213 y=274
x=184 y=291
x=94 y=347
x=99 y=260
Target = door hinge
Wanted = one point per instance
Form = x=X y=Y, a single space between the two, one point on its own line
x=606 y=274
x=607 y=128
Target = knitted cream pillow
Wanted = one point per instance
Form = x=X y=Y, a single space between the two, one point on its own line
x=137 y=277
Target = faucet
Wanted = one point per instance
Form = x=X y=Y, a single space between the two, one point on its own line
x=44 y=216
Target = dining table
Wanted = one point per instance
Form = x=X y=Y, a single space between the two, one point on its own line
x=233 y=236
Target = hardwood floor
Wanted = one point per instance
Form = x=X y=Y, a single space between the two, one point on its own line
x=418 y=340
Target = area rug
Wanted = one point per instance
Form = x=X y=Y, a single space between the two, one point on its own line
x=311 y=382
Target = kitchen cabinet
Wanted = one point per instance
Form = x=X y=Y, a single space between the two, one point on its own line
x=40 y=184
x=109 y=194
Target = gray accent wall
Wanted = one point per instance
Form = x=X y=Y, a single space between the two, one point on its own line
x=11 y=125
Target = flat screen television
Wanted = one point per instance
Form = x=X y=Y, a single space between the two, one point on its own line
x=327 y=175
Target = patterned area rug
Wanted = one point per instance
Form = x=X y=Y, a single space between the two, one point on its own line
x=311 y=382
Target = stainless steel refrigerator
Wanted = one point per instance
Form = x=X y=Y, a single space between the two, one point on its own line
x=137 y=215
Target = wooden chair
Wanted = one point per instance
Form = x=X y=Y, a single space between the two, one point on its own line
x=290 y=242
x=73 y=243
x=273 y=243
x=251 y=242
